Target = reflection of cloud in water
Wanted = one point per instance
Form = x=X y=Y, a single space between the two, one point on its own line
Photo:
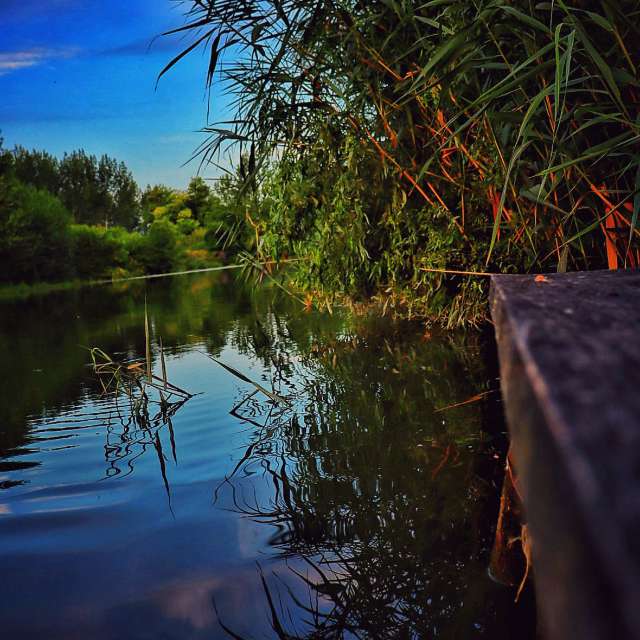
x=251 y=537
x=5 y=508
x=190 y=601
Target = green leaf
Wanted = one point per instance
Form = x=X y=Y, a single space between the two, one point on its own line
x=213 y=60
x=604 y=68
x=526 y=19
x=181 y=55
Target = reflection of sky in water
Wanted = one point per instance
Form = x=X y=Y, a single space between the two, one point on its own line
x=365 y=468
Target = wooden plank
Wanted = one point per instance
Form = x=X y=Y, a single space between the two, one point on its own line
x=569 y=350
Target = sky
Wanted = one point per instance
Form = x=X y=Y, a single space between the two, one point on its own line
x=82 y=74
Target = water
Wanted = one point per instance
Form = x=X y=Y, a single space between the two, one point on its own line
x=355 y=510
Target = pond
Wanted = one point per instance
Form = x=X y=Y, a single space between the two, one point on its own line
x=354 y=501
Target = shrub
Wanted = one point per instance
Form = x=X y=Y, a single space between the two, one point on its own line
x=157 y=250
x=186 y=226
x=35 y=242
x=197 y=259
x=124 y=240
x=94 y=251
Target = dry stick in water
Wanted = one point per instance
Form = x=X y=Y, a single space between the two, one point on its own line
x=485 y=274
x=226 y=267
x=470 y=400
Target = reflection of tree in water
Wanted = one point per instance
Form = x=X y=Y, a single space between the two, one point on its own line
x=42 y=339
x=376 y=500
x=381 y=498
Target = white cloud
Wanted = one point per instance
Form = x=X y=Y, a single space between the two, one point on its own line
x=16 y=60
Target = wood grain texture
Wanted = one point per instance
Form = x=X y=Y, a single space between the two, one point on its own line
x=569 y=349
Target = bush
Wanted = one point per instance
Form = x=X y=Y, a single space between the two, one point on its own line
x=124 y=241
x=186 y=226
x=35 y=243
x=197 y=259
x=94 y=251
x=157 y=250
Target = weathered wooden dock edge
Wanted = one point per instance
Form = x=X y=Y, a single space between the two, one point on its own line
x=569 y=353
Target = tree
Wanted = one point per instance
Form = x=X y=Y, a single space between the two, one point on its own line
x=231 y=204
x=103 y=203
x=6 y=160
x=37 y=168
x=152 y=198
x=94 y=251
x=198 y=198
x=161 y=203
x=80 y=188
x=99 y=192
x=156 y=251
x=126 y=196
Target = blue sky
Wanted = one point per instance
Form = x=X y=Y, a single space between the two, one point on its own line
x=80 y=74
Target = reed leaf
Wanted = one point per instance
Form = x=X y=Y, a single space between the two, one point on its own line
x=147 y=343
x=270 y=394
x=163 y=363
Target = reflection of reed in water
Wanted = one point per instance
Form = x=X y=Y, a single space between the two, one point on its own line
x=142 y=404
x=377 y=501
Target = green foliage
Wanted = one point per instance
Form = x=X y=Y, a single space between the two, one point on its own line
x=6 y=160
x=97 y=252
x=488 y=136
x=157 y=250
x=186 y=225
x=235 y=208
x=174 y=208
x=363 y=249
x=37 y=168
x=209 y=218
x=41 y=240
x=152 y=198
x=198 y=198
x=95 y=191
x=34 y=238
x=99 y=191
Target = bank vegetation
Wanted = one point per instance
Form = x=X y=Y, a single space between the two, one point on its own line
x=389 y=143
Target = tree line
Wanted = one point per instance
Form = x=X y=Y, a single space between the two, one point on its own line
x=83 y=217
x=95 y=191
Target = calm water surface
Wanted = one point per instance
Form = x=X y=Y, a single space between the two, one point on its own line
x=357 y=510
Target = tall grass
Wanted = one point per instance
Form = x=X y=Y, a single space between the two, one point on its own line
x=509 y=130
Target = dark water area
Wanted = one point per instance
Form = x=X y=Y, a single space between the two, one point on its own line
x=357 y=509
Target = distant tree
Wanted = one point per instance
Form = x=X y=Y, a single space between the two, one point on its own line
x=93 y=251
x=6 y=160
x=99 y=192
x=152 y=198
x=37 y=168
x=102 y=194
x=80 y=187
x=231 y=204
x=126 y=199
x=171 y=206
x=157 y=250
x=198 y=198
